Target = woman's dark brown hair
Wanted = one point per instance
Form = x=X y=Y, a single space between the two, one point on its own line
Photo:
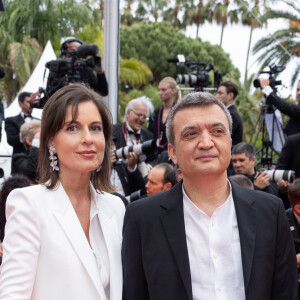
x=53 y=120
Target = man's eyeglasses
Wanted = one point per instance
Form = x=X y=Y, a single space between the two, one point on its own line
x=139 y=115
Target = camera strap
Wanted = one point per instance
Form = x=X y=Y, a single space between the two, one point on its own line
x=159 y=136
x=126 y=133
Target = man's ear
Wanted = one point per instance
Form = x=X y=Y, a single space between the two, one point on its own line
x=296 y=209
x=28 y=142
x=167 y=186
x=231 y=95
x=172 y=153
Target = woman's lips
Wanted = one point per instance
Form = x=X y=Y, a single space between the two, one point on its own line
x=87 y=154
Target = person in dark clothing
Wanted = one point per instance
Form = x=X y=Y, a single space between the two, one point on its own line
x=243 y=159
x=85 y=75
x=131 y=132
x=13 y=124
x=26 y=163
x=169 y=94
x=227 y=92
x=289 y=158
x=292 y=110
x=1 y=118
x=293 y=216
x=13 y=182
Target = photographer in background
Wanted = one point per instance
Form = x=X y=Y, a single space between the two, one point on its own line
x=80 y=73
x=292 y=110
x=243 y=159
x=293 y=215
x=26 y=163
x=227 y=92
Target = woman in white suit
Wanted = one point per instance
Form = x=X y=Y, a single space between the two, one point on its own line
x=63 y=236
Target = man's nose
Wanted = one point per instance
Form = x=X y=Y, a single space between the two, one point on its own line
x=205 y=141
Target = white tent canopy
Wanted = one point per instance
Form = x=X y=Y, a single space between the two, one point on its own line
x=35 y=81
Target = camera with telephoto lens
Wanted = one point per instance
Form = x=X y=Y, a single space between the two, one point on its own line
x=147 y=147
x=275 y=175
x=68 y=70
x=274 y=70
x=198 y=75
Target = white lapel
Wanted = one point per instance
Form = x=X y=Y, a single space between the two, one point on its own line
x=112 y=239
x=67 y=218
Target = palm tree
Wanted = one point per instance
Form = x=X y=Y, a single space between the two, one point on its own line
x=26 y=27
x=250 y=18
x=198 y=13
x=134 y=73
x=283 y=46
x=155 y=7
x=222 y=14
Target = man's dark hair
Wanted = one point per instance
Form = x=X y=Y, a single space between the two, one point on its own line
x=231 y=87
x=294 y=192
x=23 y=95
x=244 y=148
x=13 y=182
x=242 y=180
x=169 y=173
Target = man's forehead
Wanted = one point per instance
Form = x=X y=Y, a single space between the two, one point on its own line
x=193 y=110
x=139 y=106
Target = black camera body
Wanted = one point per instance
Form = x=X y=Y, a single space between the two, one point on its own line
x=274 y=70
x=197 y=73
x=67 y=70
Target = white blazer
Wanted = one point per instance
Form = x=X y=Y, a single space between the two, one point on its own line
x=46 y=253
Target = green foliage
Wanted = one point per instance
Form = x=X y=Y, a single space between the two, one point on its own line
x=149 y=91
x=154 y=43
x=25 y=28
x=134 y=73
x=283 y=46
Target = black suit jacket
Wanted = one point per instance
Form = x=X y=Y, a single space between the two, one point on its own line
x=292 y=110
x=12 y=128
x=131 y=181
x=237 y=125
x=289 y=158
x=25 y=163
x=155 y=256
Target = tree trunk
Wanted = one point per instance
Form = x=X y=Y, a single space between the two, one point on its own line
x=248 y=52
x=222 y=32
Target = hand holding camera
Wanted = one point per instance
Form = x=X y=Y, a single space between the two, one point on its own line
x=262 y=180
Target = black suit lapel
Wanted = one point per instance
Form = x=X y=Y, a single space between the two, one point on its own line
x=20 y=120
x=247 y=224
x=173 y=224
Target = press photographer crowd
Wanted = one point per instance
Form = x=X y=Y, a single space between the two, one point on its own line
x=190 y=148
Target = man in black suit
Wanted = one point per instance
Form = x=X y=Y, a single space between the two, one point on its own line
x=292 y=110
x=289 y=158
x=13 y=124
x=131 y=132
x=227 y=92
x=206 y=238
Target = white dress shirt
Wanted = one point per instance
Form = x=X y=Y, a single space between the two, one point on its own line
x=214 y=251
x=98 y=247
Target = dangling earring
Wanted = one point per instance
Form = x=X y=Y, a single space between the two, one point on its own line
x=53 y=159
x=98 y=169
